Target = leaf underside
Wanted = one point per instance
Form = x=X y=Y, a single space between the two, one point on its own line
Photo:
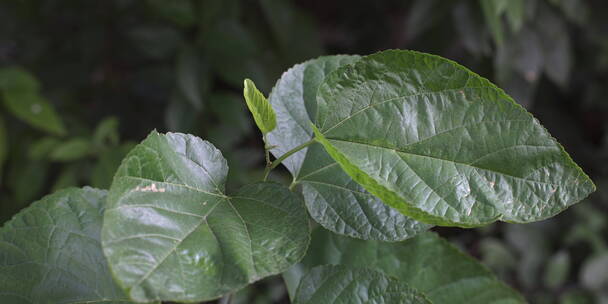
x=333 y=199
x=171 y=233
x=425 y=262
x=338 y=284
x=442 y=144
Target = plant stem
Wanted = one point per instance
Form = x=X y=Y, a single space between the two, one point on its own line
x=266 y=150
x=225 y=299
x=287 y=154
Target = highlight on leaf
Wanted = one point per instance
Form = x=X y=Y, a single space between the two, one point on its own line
x=442 y=144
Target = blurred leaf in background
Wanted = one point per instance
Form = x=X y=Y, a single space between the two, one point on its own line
x=80 y=82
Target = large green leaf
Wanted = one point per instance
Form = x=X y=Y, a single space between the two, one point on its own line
x=332 y=197
x=442 y=144
x=425 y=262
x=171 y=233
x=20 y=94
x=51 y=253
x=339 y=284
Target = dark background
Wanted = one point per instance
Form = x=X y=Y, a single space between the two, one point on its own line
x=111 y=71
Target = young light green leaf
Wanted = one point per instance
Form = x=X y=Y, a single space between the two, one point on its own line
x=442 y=144
x=425 y=262
x=20 y=94
x=262 y=111
x=333 y=199
x=338 y=284
x=51 y=252
x=171 y=233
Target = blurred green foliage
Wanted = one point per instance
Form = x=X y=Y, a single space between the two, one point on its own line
x=81 y=81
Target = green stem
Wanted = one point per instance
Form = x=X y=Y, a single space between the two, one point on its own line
x=266 y=150
x=225 y=299
x=287 y=154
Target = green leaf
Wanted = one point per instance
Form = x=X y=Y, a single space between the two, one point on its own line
x=243 y=55
x=27 y=179
x=179 y=12
x=594 y=273
x=41 y=148
x=442 y=144
x=557 y=269
x=516 y=14
x=171 y=233
x=192 y=77
x=16 y=79
x=155 y=42
x=556 y=46
x=294 y=31
x=233 y=120
x=106 y=132
x=70 y=150
x=492 y=12
x=21 y=97
x=258 y=105
x=180 y=115
x=339 y=284
x=51 y=252
x=107 y=163
x=67 y=178
x=333 y=199
x=425 y=262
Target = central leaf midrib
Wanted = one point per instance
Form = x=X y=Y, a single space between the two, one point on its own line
x=398 y=151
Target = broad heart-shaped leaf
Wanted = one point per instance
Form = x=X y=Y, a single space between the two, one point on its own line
x=259 y=107
x=442 y=144
x=171 y=233
x=51 y=253
x=425 y=262
x=339 y=284
x=333 y=199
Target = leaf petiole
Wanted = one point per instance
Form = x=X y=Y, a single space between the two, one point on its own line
x=287 y=154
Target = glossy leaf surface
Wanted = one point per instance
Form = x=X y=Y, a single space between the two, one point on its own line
x=339 y=284
x=51 y=253
x=171 y=233
x=425 y=262
x=258 y=105
x=333 y=199
x=442 y=144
